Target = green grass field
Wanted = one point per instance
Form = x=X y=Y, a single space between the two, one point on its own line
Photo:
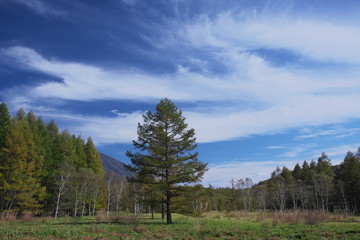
x=211 y=226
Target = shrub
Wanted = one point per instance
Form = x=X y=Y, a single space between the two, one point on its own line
x=10 y=218
x=117 y=219
x=260 y=217
x=26 y=217
x=45 y=219
x=100 y=216
x=217 y=216
x=275 y=221
x=314 y=217
x=293 y=217
x=140 y=229
x=230 y=214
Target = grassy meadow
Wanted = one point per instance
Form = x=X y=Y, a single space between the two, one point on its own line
x=239 y=225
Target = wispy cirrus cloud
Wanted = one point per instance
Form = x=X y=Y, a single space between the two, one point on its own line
x=319 y=40
x=338 y=153
x=337 y=133
x=103 y=130
x=275 y=147
x=220 y=175
x=294 y=152
x=40 y=7
x=280 y=102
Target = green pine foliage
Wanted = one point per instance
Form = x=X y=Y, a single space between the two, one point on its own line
x=5 y=124
x=166 y=156
x=93 y=157
x=31 y=156
x=348 y=182
x=22 y=188
x=79 y=144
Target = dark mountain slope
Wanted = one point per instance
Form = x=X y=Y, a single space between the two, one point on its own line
x=112 y=164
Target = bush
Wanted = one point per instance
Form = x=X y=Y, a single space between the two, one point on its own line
x=314 y=217
x=275 y=221
x=100 y=216
x=10 y=218
x=26 y=217
x=294 y=217
x=45 y=219
x=260 y=217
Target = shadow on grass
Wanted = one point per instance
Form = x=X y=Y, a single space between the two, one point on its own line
x=115 y=221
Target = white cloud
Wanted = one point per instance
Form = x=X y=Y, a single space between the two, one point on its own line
x=103 y=130
x=39 y=7
x=319 y=40
x=275 y=147
x=284 y=99
x=85 y=82
x=120 y=114
x=130 y=2
x=337 y=153
x=338 y=133
x=262 y=98
x=220 y=175
x=296 y=151
x=311 y=110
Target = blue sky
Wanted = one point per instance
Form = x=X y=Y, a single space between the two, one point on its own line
x=263 y=83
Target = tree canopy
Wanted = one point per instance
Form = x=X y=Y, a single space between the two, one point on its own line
x=167 y=156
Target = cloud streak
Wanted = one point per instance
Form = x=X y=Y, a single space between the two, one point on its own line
x=337 y=133
x=220 y=175
x=281 y=102
x=315 y=39
x=40 y=8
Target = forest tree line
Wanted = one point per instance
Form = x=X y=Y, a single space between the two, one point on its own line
x=33 y=156
x=317 y=185
x=45 y=171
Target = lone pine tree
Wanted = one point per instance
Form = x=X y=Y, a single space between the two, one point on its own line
x=166 y=156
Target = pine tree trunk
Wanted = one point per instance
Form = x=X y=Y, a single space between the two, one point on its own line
x=162 y=209
x=168 y=209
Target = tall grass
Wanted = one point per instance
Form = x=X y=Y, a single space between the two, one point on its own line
x=301 y=217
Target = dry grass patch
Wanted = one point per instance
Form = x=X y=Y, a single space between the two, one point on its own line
x=260 y=217
x=94 y=238
x=237 y=214
x=162 y=235
x=120 y=235
x=27 y=217
x=10 y=218
x=300 y=216
x=45 y=219
x=100 y=216
x=140 y=229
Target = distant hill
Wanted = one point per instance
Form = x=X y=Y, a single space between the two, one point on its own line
x=112 y=164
